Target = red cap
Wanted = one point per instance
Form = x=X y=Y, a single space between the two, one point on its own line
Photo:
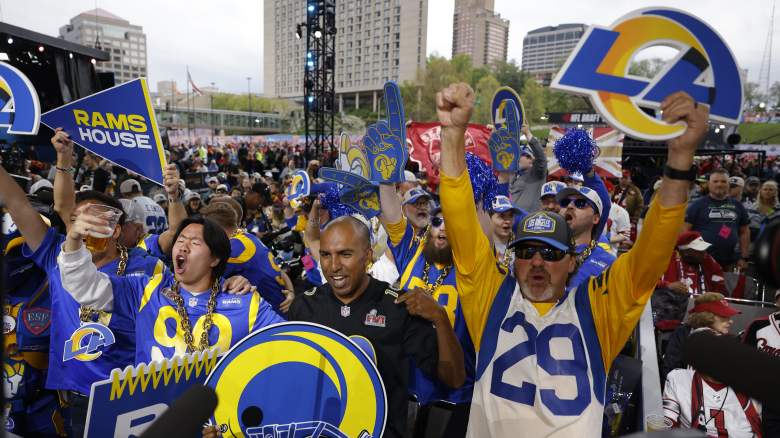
x=720 y=308
x=687 y=237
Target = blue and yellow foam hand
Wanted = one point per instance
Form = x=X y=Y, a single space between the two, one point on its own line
x=504 y=142
x=355 y=191
x=298 y=189
x=385 y=141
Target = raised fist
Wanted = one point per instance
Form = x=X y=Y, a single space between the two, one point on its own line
x=454 y=105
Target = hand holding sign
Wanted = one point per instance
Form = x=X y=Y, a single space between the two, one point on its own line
x=385 y=141
x=504 y=142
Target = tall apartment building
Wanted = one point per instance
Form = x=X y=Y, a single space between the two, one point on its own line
x=546 y=49
x=479 y=32
x=377 y=41
x=126 y=42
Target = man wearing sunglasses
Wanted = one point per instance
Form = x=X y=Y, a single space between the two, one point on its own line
x=542 y=348
x=416 y=204
x=426 y=262
x=582 y=209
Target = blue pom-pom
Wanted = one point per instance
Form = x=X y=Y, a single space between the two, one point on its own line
x=575 y=151
x=331 y=201
x=483 y=181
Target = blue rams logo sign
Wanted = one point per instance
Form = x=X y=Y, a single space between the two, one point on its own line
x=298 y=380
x=704 y=68
x=20 y=110
x=86 y=342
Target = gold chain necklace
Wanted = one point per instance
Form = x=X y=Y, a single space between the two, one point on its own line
x=88 y=314
x=506 y=258
x=237 y=232
x=189 y=337
x=442 y=275
x=586 y=252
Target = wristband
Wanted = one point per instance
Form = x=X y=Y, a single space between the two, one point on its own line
x=685 y=175
x=69 y=170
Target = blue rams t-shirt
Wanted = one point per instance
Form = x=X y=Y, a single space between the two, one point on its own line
x=411 y=264
x=599 y=260
x=94 y=349
x=250 y=258
x=719 y=223
x=147 y=301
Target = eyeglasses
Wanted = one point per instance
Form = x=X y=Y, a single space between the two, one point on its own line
x=437 y=221
x=548 y=254
x=578 y=202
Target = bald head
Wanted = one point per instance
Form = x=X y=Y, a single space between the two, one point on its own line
x=353 y=226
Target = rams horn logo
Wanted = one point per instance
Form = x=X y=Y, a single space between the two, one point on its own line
x=704 y=68
x=298 y=380
x=20 y=110
x=86 y=342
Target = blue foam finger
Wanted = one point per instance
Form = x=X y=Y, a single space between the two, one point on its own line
x=512 y=118
x=342 y=177
x=385 y=152
x=364 y=198
x=504 y=150
x=396 y=118
x=498 y=106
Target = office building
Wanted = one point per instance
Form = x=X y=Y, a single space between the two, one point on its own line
x=479 y=32
x=376 y=41
x=105 y=31
x=546 y=49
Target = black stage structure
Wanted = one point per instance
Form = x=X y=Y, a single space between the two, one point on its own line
x=319 y=95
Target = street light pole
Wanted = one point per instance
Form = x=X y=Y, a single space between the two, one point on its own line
x=249 y=93
x=211 y=107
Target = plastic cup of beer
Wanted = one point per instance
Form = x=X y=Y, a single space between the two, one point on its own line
x=657 y=422
x=96 y=241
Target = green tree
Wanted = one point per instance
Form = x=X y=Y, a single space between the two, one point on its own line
x=532 y=96
x=646 y=68
x=774 y=95
x=509 y=74
x=484 y=91
x=753 y=95
x=558 y=102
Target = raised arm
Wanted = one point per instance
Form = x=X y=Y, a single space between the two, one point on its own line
x=79 y=275
x=390 y=204
x=311 y=237
x=26 y=218
x=540 y=159
x=176 y=210
x=594 y=182
x=64 y=190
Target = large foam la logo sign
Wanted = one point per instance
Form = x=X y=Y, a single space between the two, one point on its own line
x=298 y=380
x=704 y=68
x=19 y=107
x=118 y=124
x=86 y=343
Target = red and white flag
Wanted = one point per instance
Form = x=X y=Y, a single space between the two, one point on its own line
x=609 y=151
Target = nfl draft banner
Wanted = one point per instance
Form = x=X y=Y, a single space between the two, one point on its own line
x=609 y=152
x=704 y=67
x=297 y=379
x=117 y=124
x=424 y=141
x=125 y=404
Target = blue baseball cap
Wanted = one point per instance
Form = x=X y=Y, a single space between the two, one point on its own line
x=501 y=204
x=412 y=195
x=551 y=188
x=546 y=227
x=589 y=194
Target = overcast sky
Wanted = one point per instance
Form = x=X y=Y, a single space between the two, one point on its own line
x=221 y=41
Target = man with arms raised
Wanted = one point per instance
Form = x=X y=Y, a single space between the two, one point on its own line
x=543 y=350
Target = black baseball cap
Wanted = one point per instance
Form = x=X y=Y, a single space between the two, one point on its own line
x=546 y=227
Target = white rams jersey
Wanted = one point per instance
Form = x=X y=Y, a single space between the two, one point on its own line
x=154 y=221
x=721 y=412
x=541 y=376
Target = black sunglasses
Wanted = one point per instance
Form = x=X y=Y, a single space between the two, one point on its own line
x=548 y=254
x=578 y=202
x=437 y=221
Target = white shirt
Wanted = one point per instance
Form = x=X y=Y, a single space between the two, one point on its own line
x=154 y=219
x=621 y=224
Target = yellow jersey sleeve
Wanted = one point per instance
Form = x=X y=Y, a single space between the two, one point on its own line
x=476 y=271
x=618 y=296
x=396 y=231
x=301 y=224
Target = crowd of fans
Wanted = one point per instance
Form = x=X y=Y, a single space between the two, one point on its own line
x=236 y=197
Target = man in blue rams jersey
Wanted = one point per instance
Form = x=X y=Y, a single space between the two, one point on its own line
x=86 y=343
x=542 y=348
x=173 y=314
x=249 y=257
x=426 y=262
